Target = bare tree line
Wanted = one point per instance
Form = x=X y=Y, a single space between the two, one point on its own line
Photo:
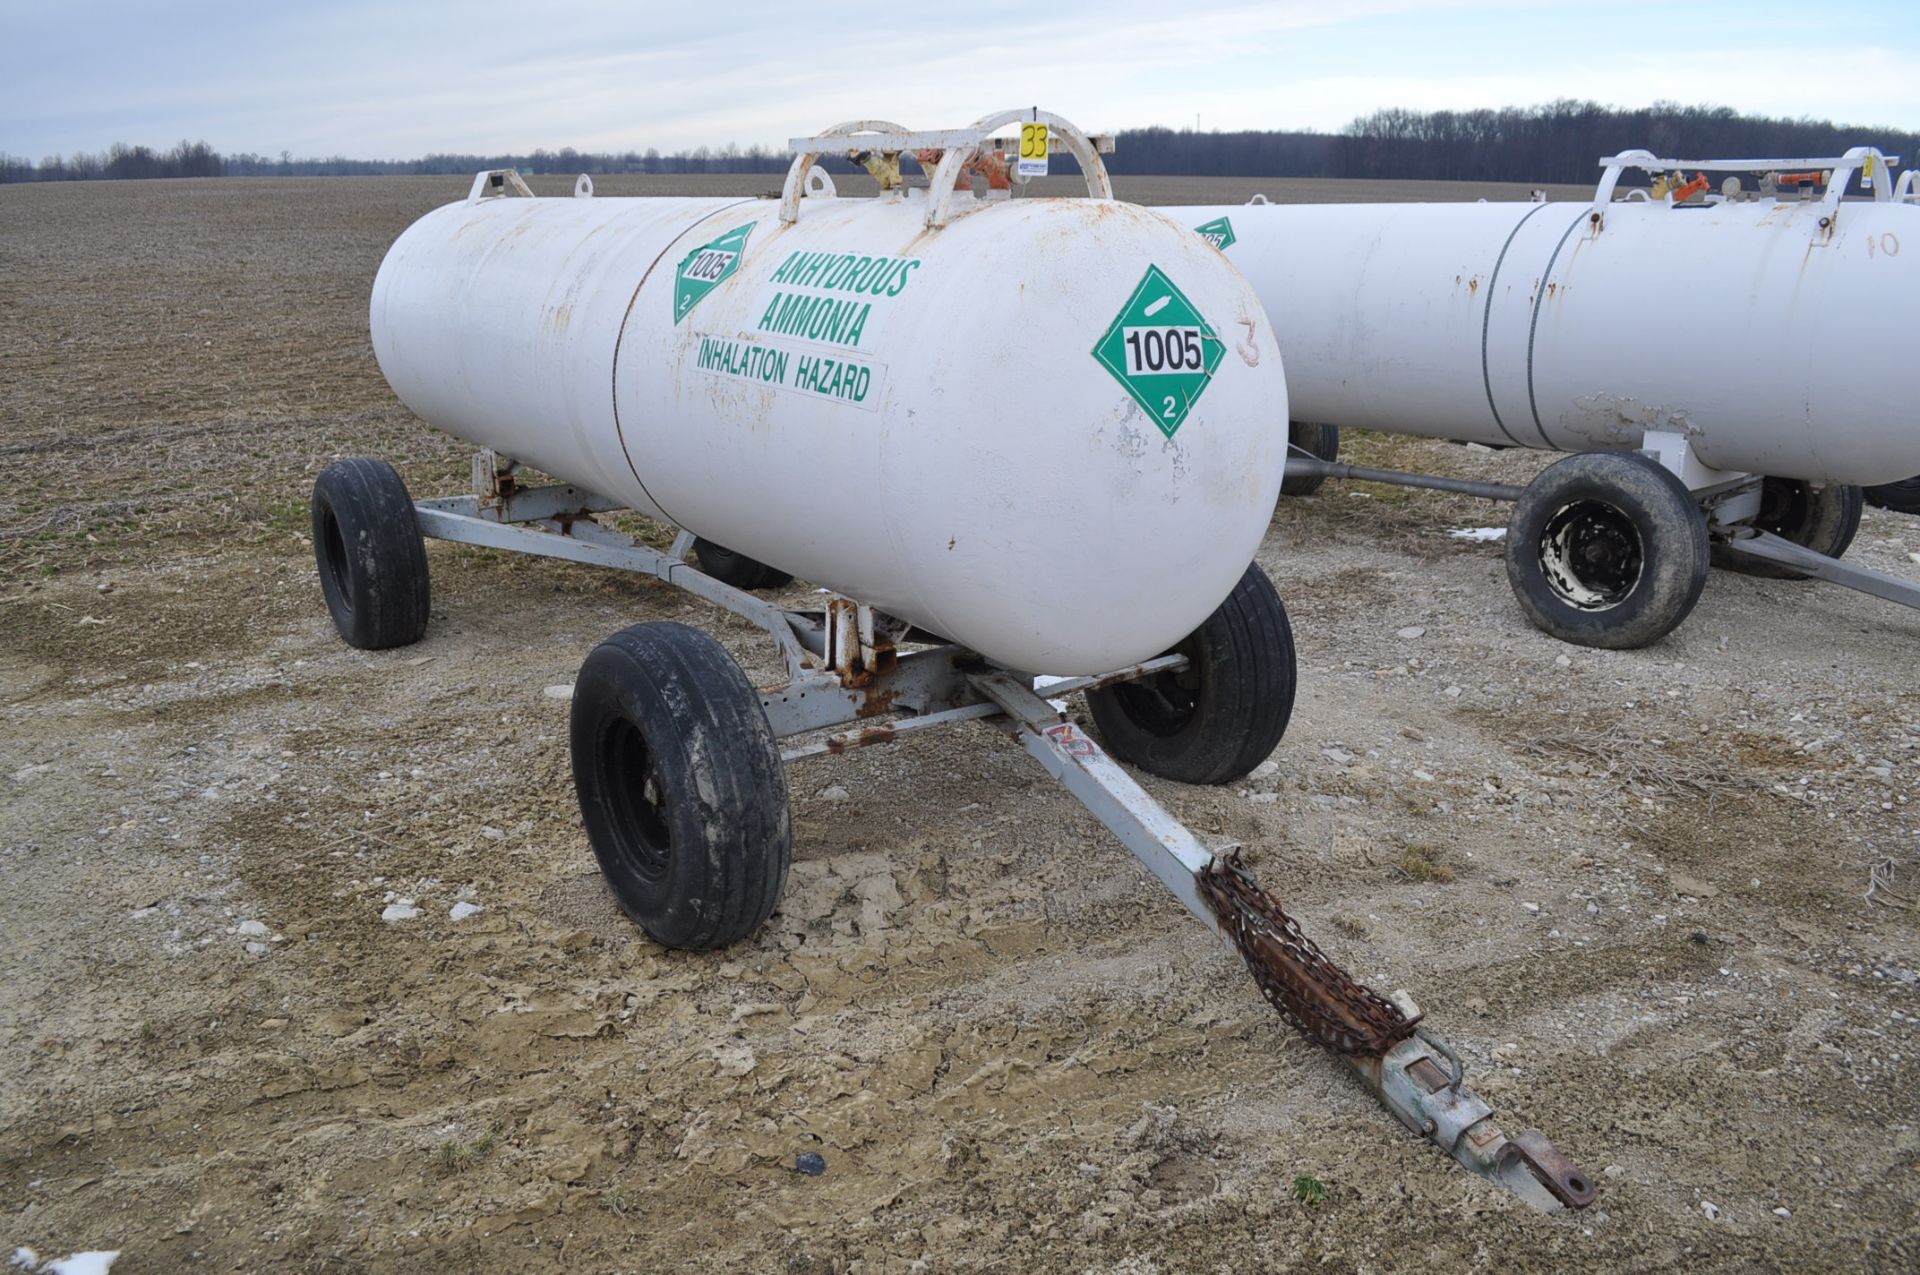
x=119 y=162
x=1561 y=141
x=1554 y=142
x=197 y=159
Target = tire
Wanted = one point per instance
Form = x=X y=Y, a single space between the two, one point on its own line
x=1607 y=549
x=1902 y=497
x=1823 y=519
x=371 y=556
x=680 y=786
x=1319 y=441
x=737 y=569
x=1220 y=717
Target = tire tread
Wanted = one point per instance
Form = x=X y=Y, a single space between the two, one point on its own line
x=710 y=722
x=1322 y=441
x=1241 y=717
x=1676 y=549
x=387 y=556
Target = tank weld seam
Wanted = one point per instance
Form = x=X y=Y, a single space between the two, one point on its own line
x=1486 y=322
x=620 y=340
x=1533 y=328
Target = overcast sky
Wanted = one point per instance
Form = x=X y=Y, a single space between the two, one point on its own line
x=389 y=79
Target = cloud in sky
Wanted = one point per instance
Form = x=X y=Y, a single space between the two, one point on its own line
x=396 y=79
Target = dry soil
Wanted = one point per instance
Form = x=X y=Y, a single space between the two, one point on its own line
x=1630 y=887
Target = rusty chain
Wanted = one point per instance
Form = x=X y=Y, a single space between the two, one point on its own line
x=1311 y=992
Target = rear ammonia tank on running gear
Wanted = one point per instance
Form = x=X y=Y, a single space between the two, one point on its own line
x=1777 y=337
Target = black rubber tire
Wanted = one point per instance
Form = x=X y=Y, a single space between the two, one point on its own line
x=737 y=569
x=1824 y=519
x=680 y=786
x=1635 y=530
x=1902 y=497
x=1222 y=715
x=371 y=556
x=1322 y=441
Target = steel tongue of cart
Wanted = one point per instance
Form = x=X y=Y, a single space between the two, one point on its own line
x=679 y=761
x=857 y=679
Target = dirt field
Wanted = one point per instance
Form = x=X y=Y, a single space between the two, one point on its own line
x=1628 y=886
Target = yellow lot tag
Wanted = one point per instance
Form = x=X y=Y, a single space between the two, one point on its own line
x=1033 y=150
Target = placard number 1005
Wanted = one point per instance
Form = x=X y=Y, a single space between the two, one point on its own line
x=1161 y=350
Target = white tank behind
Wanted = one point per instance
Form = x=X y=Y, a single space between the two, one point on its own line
x=1518 y=324
x=912 y=417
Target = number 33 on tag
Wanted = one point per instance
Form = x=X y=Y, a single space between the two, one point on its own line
x=1033 y=150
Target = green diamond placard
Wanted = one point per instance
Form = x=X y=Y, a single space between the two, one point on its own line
x=706 y=268
x=1218 y=232
x=1161 y=350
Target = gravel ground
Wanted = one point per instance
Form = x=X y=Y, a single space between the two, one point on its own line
x=1630 y=887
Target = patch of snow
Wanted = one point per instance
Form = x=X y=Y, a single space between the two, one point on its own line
x=563 y=690
x=92 y=1262
x=462 y=910
x=1478 y=533
x=95 y=1262
x=254 y=929
x=400 y=910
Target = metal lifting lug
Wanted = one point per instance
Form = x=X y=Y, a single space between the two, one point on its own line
x=1420 y=1080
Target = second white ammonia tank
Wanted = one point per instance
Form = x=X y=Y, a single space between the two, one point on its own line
x=1775 y=349
x=1042 y=430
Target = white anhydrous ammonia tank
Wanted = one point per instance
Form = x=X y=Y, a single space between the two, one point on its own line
x=1776 y=350
x=1042 y=430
